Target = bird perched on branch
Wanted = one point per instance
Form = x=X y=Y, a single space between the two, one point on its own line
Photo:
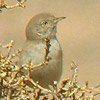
x=43 y=48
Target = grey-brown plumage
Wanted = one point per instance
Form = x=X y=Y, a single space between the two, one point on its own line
x=40 y=27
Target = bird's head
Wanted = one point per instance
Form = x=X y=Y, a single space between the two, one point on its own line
x=42 y=26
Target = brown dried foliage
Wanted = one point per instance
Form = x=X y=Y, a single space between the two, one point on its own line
x=13 y=87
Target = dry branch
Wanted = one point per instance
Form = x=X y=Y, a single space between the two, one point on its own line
x=3 y=4
x=13 y=87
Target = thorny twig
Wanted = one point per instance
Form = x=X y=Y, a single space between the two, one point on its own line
x=47 y=50
x=20 y=3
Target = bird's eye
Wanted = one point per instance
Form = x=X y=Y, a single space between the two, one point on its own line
x=44 y=22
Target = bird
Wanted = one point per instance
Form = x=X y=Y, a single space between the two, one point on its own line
x=41 y=27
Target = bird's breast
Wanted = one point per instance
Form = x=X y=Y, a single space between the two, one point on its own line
x=37 y=51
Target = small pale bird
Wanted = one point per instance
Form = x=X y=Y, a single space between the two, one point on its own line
x=39 y=28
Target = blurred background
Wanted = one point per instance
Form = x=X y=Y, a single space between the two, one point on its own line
x=79 y=34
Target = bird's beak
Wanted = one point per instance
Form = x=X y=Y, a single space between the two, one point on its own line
x=59 y=19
